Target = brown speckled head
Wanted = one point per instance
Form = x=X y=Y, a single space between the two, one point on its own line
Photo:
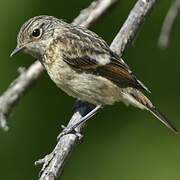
x=35 y=34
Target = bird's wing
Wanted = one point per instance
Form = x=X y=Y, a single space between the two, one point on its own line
x=85 y=51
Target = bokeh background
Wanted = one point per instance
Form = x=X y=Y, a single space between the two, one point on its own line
x=120 y=142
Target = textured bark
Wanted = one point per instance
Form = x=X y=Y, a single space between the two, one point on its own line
x=22 y=84
x=53 y=164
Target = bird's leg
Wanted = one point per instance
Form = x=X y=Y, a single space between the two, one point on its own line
x=72 y=128
x=87 y=116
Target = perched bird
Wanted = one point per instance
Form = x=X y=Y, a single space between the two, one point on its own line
x=82 y=64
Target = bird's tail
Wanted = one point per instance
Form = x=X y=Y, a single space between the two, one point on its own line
x=139 y=100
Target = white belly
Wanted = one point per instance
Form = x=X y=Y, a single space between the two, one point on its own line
x=87 y=87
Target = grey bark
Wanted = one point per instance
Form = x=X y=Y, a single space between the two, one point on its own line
x=53 y=164
x=22 y=84
x=55 y=161
x=165 y=34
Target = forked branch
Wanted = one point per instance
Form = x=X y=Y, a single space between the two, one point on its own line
x=22 y=84
x=53 y=164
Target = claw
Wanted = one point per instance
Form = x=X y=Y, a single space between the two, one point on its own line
x=79 y=135
x=69 y=130
x=72 y=128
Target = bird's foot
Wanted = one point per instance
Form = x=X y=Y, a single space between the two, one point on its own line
x=69 y=130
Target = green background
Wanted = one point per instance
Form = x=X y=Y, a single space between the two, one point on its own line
x=120 y=143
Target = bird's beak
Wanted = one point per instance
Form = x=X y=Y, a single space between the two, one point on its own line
x=17 y=50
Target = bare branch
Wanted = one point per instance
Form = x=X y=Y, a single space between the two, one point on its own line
x=55 y=161
x=91 y=14
x=131 y=26
x=22 y=84
x=53 y=164
x=165 y=34
x=16 y=90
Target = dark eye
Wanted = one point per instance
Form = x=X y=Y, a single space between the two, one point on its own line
x=36 y=33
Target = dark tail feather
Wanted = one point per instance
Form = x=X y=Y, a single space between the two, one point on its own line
x=143 y=100
x=143 y=86
x=163 y=119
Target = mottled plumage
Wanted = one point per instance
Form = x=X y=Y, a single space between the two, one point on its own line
x=82 y=64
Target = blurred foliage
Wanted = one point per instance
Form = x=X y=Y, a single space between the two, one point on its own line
x=132 y=144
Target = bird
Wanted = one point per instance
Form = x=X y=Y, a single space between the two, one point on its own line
x=82 y=64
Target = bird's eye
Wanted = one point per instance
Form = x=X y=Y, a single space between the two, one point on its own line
x=37 y=33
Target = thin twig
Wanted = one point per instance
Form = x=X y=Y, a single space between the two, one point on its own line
x=165 y=33
x=91 y=14
x=9 y=99
x=55 y=161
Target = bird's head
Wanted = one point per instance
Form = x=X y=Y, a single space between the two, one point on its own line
x=35 y=35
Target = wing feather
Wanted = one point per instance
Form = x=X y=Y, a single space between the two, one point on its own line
x=85 y=51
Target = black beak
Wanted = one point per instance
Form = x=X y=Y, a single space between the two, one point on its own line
x=17 y=50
